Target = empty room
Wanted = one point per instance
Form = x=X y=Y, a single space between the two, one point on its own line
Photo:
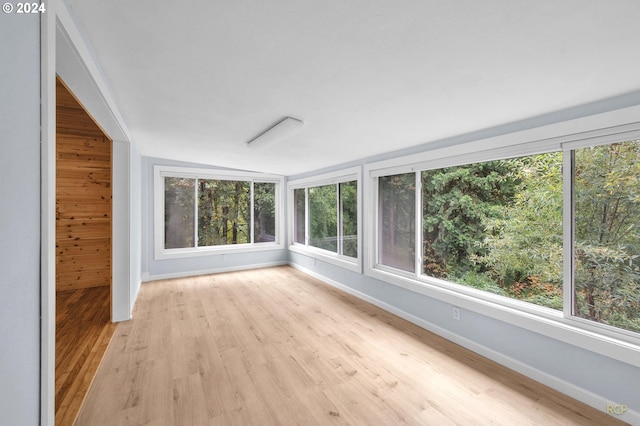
x=320 y=212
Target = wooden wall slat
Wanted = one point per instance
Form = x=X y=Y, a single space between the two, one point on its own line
x=83 y=197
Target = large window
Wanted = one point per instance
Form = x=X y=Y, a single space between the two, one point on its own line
x=325 y=216
x=499 y=227
x=199 y=209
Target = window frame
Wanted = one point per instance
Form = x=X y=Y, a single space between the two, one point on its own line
x=160 y=172
x=607 y=340
x=332 y=178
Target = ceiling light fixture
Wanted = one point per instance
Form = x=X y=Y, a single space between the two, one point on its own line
x=277 y=132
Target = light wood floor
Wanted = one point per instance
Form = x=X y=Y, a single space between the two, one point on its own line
x=83 y=332
x=274 y=346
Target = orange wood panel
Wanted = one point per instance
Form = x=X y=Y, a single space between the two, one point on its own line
x=83 y=197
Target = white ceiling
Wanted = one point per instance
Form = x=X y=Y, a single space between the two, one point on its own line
x=196 y=79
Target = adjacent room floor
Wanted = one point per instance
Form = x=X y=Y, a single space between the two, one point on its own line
x=83 y=331
x=275 y=346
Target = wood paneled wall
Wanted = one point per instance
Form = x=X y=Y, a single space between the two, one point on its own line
x=83 y=197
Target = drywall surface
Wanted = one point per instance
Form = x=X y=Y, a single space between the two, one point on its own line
x=20 y=219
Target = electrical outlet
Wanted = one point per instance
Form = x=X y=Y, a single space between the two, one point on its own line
x=456 y=313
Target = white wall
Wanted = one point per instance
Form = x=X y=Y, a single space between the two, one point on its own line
x=121 y=243
x=135 y=225
x=19 y=219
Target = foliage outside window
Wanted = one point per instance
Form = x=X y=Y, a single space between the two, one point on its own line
x=497 y=226
x=332 y=218
x=606 y=246
x=223 y=210
x=348 y=221
x=323 y=217
x=300 y=221
x=179 y=212
x=264 y=212
x=396 y=198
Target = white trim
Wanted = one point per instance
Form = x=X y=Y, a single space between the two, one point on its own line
x=603 y=136
x=596 y=401
x=160 y=171
x=540 y=139
x=220 y=174
x=345 y=262
x=77 y=67
x=146 y=277
x=339 y=176
x=48 y=213
x=332 y=178
x=120 y=232
x=567 y=233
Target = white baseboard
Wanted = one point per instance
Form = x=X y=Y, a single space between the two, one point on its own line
x=596 y=401
x=146 y=277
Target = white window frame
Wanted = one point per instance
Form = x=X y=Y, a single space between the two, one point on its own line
x=333 y=178
x=160 y=172
x=607 y=340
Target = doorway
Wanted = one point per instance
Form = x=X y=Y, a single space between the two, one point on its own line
x=83 y=252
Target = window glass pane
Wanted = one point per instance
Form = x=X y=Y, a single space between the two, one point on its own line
x=607 y=234
x=223 y=212
x=323 y=217
x=264 y=212
x=179 y=207
x=349 y=218
x=299 y=215
x=497 y=226
x=396 y=227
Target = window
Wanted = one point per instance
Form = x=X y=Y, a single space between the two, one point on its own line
x=325 y=216
x=333 y=211
x=179 y=212
x=348 y=220
x=497 y=226
x=300 y=217
x=264 y=212
x=508 y=231
x=396 y=198
x=606 y=246
x=223 y=212
x=199 y=210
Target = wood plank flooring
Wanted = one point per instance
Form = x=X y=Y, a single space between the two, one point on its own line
x=275 y=346
x=83 y=332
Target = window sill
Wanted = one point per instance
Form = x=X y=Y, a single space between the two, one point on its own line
x=216 y=250
x=345 y=262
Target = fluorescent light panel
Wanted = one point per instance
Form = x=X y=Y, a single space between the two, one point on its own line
x=277 y=132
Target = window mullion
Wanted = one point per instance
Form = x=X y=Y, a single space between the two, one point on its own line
x=568 y=237
x=307 y=218
x=418 y=219
x=339 y=224
x=251 y=214
x=196 y=200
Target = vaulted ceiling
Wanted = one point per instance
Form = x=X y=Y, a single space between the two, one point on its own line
x=196 y=79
